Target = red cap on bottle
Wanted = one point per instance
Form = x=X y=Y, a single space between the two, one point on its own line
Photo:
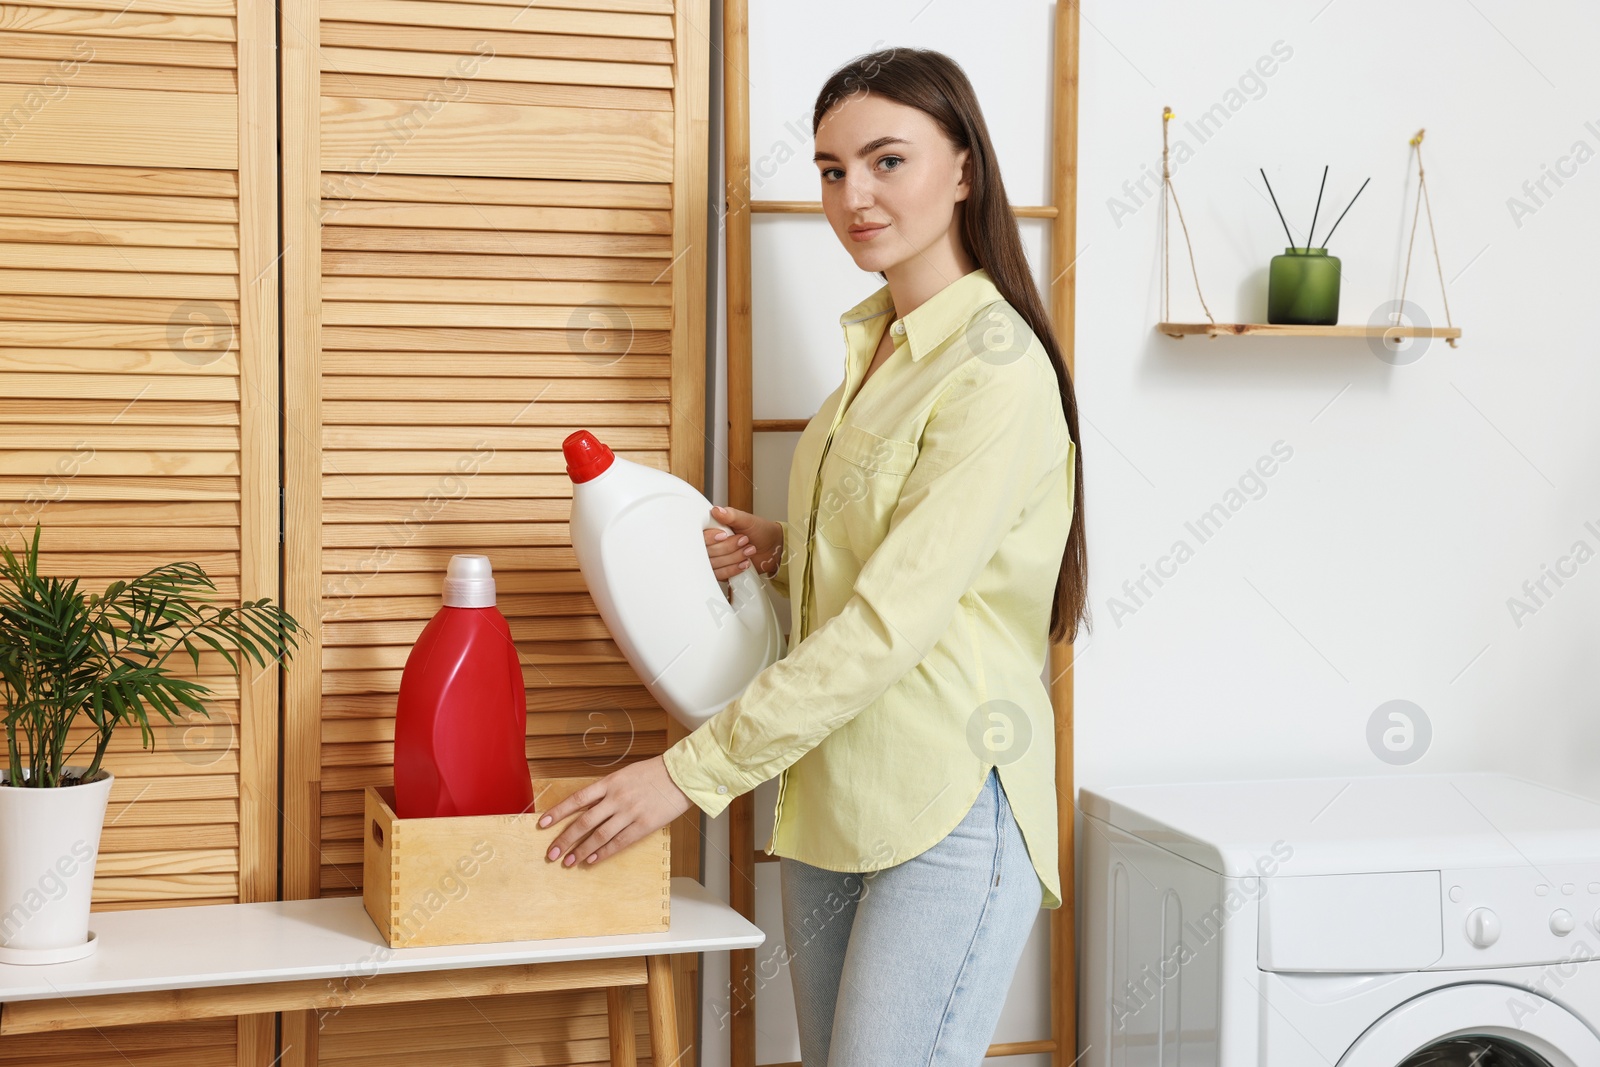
x=586 y=456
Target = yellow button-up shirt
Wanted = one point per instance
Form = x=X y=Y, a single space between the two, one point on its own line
x=926 y=523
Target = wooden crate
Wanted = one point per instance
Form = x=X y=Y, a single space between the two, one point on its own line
x=479 y=878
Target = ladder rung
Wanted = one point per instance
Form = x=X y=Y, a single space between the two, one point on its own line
x=1009 y=1048
x=814 y=207
x=778 y=425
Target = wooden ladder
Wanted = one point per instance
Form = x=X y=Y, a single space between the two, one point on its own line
x=742 y=426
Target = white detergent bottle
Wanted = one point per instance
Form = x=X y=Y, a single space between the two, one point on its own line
x=637 y=535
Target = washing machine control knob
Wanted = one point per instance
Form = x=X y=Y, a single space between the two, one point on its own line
x=1483 y=927
x=1562 y=922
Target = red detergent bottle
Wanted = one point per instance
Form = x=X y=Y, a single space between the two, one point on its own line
x=462 y=720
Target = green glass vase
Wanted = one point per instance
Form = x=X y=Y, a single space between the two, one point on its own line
x=1303 y=288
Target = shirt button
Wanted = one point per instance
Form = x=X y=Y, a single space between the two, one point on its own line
x=722 y=789
x=899 y=327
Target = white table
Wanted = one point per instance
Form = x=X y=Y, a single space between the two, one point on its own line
x=205 y=961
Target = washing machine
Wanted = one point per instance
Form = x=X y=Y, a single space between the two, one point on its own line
x=1392 y=921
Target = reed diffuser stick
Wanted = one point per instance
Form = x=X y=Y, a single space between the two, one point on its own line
x=1347 y=207
x=1318 y=208
x=1281 y=219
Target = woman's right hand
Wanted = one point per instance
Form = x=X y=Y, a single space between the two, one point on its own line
x=752 y=540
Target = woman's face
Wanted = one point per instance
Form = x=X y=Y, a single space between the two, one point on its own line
x=883 y=164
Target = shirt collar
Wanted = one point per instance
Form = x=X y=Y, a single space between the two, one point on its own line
x=935 y=319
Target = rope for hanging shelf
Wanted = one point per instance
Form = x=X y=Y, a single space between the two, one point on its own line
x=1169 y=188
x=1424 y=203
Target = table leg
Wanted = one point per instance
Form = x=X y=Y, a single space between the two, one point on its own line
x=664 y=1048
x=619 y=1012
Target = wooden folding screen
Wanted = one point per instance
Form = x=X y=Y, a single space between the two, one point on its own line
x=495 y=227
x=138 y=413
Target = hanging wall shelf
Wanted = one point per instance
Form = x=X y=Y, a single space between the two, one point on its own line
x=1219 y=329
x=1393 y=331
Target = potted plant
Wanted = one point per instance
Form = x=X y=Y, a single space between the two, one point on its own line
x=66 y=656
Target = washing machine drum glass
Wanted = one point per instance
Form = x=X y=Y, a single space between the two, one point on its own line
x=1474 y=1052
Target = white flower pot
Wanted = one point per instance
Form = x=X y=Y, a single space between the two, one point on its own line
x=49 y=839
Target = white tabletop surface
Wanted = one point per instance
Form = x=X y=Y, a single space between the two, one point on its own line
x=333 y=937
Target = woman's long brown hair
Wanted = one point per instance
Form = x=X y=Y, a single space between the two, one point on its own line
x=933 y=83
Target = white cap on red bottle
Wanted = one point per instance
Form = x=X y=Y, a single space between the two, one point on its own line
x=469 y=583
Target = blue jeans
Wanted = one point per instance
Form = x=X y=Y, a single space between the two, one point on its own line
x=909 y=966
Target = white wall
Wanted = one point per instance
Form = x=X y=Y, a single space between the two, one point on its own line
x=1379 y=562
x=1421 y=489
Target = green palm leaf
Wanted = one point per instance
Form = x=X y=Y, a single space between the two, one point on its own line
x=65 y=653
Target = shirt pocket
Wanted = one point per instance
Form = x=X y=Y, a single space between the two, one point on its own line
x=862 y=476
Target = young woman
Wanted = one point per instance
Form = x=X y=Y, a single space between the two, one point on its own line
x=934 y=545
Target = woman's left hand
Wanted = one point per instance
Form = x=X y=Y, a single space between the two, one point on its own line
x=624 y=806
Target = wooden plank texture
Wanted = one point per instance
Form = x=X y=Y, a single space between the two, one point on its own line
x=138 y=417
x=496 y=236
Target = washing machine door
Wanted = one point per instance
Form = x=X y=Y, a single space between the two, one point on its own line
x=1472 y=1026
